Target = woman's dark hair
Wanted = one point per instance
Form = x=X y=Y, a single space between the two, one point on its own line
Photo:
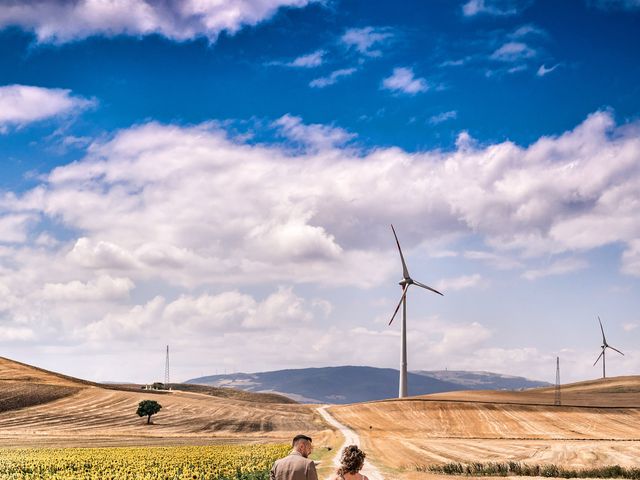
x=352 y=460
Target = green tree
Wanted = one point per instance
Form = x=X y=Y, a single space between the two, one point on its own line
x=148 y=408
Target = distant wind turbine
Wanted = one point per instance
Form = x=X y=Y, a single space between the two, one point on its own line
x=405 y=283
x=604 y=347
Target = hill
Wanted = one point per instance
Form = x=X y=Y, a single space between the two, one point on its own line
x=499 y=426
x=351 y=384
x=483 y=380
x=46 y=408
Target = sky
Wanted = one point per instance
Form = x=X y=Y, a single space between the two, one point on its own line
x=221 y=177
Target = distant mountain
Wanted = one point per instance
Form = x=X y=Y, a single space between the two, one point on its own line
x=330 y=384
x=482 y=380
x=351 y=384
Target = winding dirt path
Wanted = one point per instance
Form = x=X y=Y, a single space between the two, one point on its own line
x=350 y=438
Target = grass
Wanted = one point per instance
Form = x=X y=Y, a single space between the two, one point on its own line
x=506 y=469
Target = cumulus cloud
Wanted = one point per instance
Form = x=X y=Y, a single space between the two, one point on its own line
x=60 y=21
x=513 y=52
x=494 y=7
x=316 y=135
x=209 y=314
x=103 y=288
x=403 y=80
x=332 y=78
x=220 y=208
x=311 y=60
x=190 y=210
x=23 y=104
x=367 y=40
x=443 y=117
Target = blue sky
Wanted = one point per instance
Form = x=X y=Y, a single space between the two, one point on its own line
x=223 y=178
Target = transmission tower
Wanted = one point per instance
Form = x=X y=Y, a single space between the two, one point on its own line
x=166 y=370
x=556 y=400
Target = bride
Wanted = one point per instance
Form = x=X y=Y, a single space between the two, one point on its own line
x=351 y=463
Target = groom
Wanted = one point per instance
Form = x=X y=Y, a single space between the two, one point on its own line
x=296 y=466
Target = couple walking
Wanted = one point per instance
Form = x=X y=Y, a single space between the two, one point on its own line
x=297 y=466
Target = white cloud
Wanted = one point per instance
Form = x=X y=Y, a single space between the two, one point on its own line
x=60 y=21
x=316 y=135
x=559 y=267
x=629 y=327
x=310 y=60
x=459 y=283
x=14 y=227
x=197 y=215
x=364 y=40
x=208 y=314
x=100 y=289
x=528 y=30
x=403 y=80
x=307 y=212
x=443 y=117
x=513 y=52
x=542 y=71
x=23 y=104
x=332 y=78
x=15 y=334
x=494 y=7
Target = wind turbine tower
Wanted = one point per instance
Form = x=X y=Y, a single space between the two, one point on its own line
x=556 y=400
x=166 y=370
x=405 y=283
x=604 y=347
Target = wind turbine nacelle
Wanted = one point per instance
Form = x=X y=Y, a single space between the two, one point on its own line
x=405 y=281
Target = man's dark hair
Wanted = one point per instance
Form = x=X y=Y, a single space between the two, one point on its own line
x=299 y=438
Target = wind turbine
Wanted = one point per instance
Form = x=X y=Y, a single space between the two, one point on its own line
x=405 y=283
x=604 y=347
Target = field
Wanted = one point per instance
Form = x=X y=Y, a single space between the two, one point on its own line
x=503 y=426
x=46 y=409
x=205 y=463
x=598 y=425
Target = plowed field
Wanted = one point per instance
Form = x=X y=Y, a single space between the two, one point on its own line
x=503 y=426
x=86 y=414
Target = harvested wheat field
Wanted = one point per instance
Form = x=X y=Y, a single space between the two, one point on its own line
x=503 y=426
x=40 y=408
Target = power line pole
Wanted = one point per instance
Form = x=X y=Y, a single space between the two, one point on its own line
x=557 y=400
x=166 y=370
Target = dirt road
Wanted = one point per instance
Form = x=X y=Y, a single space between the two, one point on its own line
x=350 y=438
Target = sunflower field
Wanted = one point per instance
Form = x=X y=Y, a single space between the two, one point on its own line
x=225 y=462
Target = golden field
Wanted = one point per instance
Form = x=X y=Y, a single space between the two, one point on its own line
x=598 y=425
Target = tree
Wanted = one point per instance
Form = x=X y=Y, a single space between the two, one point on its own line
x=148 y=408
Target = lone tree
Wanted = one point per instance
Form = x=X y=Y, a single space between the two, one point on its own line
x=148 y=408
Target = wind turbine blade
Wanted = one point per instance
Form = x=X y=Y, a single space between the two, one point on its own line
x=428 y=287
x=601 y=353
x=404 y=294
x=615 y=350
x=604 y=339
x=405 y=271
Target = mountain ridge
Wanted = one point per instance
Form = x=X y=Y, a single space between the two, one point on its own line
x=352 y=384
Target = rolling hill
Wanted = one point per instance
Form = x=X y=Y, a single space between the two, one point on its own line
x=38 y=407
x=351 y=384
x=598 y=424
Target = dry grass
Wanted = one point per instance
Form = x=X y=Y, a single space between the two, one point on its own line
x=89 y=414
x=470 y=427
